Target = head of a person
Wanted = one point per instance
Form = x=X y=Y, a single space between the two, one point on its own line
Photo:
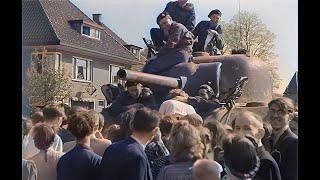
x=54 y=115
x=215 y=16
x=217 y=132
x=165 y=125
x=240 y=157
x=37 y=118
x=165 y=21
x=205 y=136
x=101 y=122
x=146 y=122
x=95 y=116
x=249 y=123
x=205 y=91
x=43 y=136
x=82 y=124
x=206 y=169
x=74 y=110
x=184 y=143
x=293 y=124
x=177 y=92
x=280 y=112
x=194 y=119
x=134 y=89
x=126 y=119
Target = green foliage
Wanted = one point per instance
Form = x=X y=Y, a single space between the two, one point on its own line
x=52 y=83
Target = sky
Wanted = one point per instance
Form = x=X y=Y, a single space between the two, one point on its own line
x=133 y=19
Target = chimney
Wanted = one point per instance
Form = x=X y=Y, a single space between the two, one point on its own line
x=96 y=18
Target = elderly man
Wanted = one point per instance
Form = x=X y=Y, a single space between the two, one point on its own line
x=177 y=49
x=250 y=124
x=182 y=12
x=283 y=143
x=208 y=33
x=134 y=96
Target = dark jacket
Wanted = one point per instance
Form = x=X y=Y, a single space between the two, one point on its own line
x=201 y=31
x=269 y=169
x=125 y=160
x=179 y=38
x=285 y=152
x=125 y=101
x=81 y=163
x=184 y=15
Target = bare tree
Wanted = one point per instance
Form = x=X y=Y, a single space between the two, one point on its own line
x=246 y=31
x=47 y=82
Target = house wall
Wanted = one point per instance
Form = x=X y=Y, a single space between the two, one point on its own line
x=99 y=78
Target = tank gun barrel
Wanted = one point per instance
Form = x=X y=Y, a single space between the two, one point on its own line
x=150 y=78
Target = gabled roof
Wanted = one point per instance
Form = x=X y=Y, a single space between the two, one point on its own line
x=47 y=22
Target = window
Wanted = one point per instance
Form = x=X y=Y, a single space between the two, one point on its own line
x=82 y=69
x=53 y=59
x=113 y=74
x=95 y=33
x=88 y=105
x=91 y=32
x=86 y=30
x=101 y=103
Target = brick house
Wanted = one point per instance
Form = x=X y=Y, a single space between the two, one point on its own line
x=88 y=48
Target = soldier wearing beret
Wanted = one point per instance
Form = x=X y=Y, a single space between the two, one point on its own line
x=208 y=33
x=177 y=49
x=134 y=96
x=181 y=12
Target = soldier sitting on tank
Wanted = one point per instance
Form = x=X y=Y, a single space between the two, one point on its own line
x=135 y=96
x=181 y=12
x=208 y=33
x=177 y=49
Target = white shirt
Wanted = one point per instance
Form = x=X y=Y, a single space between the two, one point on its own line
x=139 y=142
x=208 y=39
x=171 y=106
x=29 y=149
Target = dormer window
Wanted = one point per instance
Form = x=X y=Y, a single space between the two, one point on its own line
x=91 y=32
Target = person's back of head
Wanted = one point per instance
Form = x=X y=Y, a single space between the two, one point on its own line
x=177 y=92
x=37 y=117
x=205 y=136
x=43 y=136
x=217 y=132
x=145 y=120
x=206 y=169
x=240 y=156
x=194 y=119
x=54 y=115
x=95 y=116
x=165 y=125
x=81 y=124
x=184 y=142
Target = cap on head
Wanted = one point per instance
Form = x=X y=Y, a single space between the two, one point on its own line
x=215 y=11
x=161 y=16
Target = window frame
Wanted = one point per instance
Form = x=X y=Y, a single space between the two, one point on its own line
x=91 y=31
x=57 y=61
x=74 y=73
x=104 y=103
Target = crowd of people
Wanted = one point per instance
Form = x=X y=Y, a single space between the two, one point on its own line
x=169 y=143
x=180 y=140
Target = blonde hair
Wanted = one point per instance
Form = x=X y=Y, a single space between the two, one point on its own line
x=184 y=142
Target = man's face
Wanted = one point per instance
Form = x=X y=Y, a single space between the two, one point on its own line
x=245 y=125
x=165 y=24
x=135 y=91
x=215 y=18
x=278 y=118
x=204 y=94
